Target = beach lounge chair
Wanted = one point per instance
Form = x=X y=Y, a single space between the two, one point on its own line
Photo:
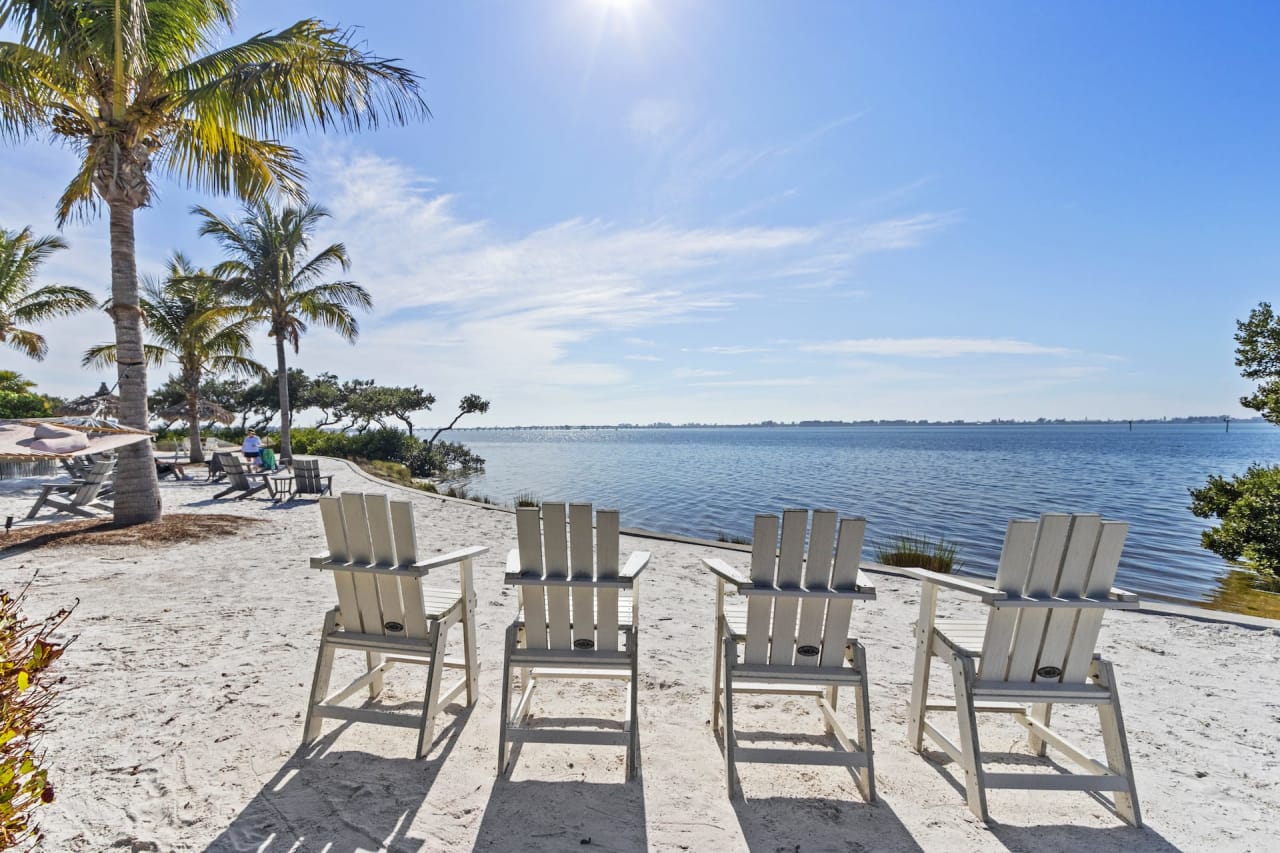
x=385 y=612
x=1035 y=646
x=787 y=631
x=73 y=497
x=307 y=479
x=238 y=478
x=574 y=609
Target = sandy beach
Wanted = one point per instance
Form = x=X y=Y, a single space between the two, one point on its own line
x=180 y=722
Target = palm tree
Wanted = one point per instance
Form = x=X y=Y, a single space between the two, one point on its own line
x=134 y=85
x=268 y=272
x=190 y=321
x=20 y=255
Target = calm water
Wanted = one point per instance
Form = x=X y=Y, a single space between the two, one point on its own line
x=960 y=482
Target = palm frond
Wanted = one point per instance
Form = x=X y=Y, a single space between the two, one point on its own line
x=26 y=341
x=51 y=301
x=216 y=159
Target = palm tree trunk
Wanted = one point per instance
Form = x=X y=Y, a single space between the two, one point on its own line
x=282 y=382
x=193 y=418
x=137 y=489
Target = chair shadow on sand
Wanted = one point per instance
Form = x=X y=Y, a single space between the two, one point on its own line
x=1120 y=837
x=548 y=815
x=342 y=801
x=770 y=824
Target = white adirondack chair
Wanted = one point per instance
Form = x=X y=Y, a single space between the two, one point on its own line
x=573 y=611
x=239 y=478
x=1035 y=646
x=78 y=494
x=386 y=612
x=791 y=621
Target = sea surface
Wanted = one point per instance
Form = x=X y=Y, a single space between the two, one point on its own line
x=961 y=482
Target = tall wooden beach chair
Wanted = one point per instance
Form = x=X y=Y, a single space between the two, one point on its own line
x=578 y=617
x=75 y=497
x=1035 y=647
x=385 y=611
x=786 y=631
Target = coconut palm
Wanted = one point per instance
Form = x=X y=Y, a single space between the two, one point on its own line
x=137 y=85
x=21 y=254
x=267 y=272
x=191 y=322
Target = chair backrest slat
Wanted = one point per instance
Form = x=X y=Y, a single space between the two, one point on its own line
x=790 y=576
x=529 y=539
x=1106 y=560
x=582 y=570
x=556 y=553
x=607 y=545
x=844 y=577
x=94 y=479
x=817 y=575
x=1063 y=556
x=1011 y=577
x=236 y=473
x=764 y=567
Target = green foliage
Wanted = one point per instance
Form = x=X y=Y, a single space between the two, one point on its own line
x=27 y=650
x=21 y=302
x=388 y=445
x=19 y=405
x=528 y=499
x=1248 y=507
x=732 y=540
x=917 y=550
x=1258 y=357
x=11 y=380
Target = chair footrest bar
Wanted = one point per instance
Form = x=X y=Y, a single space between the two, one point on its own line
x=777 y=755
x=368 y=715
x=1056 y=782
x=550 y=735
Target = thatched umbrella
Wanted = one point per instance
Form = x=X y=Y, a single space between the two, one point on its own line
x=101 y=403
x=207 y=411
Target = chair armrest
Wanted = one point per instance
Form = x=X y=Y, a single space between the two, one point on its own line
x=986 y=593
x=1122 y=595
x=636 y=564
x=450 y=558
x=722 y=569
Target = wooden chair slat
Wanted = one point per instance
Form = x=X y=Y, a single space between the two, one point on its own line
x=764 y=566
x=581 y=569
x=382 y=545
x=790 y=574
x=1106 y=560
x=402 y=533
x=556 y=553
x=1011 y=577
x=607 y=526
x=529 y=540
x=844 y=575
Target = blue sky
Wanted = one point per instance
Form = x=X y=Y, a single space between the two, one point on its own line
x=688 y=210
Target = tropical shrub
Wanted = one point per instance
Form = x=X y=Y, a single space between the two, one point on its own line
x=27 y=650
x=1248 y=507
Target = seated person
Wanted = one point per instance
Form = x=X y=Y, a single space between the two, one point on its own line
x=164 y=469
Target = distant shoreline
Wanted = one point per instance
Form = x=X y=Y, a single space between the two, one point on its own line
x=1208 y=419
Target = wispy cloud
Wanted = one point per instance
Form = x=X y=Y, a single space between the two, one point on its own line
x=935 y=347
x=642 y=358
x=732 y=350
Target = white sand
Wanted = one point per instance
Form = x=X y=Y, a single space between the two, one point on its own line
x=181 y=719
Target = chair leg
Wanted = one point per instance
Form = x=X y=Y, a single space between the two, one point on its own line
x=1040 y=712
x=862 y=710
x=431 y=701
x=919 y=688
x=374 y=660
x=44 y=496
x=730 y=765
x=1116 y=743
x=975 y=790
x=716 y=652
x=472 y=658
x=320 y=680
x=505 y=709
x=633 y=691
